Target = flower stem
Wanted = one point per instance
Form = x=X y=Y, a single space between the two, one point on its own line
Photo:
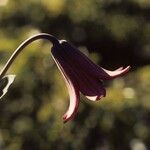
x=23 y=45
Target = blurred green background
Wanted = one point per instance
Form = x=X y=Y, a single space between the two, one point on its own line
x=112 y=33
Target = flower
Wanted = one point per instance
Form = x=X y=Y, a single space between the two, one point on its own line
x=81 y=75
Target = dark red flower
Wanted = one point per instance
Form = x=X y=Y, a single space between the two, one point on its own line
x=81 y=75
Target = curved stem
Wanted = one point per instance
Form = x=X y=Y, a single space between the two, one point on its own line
x=23 y=45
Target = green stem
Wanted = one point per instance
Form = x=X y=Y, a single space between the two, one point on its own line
x=23 y=45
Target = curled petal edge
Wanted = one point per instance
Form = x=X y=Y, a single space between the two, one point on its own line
x=118 y=72
x=73 y=94
x=97 y=97
x=74 y=102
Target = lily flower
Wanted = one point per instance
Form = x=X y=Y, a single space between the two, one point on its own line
x=81 y=75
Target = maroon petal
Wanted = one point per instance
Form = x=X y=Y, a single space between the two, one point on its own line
x=91 y=87
x=79 y=62
x=73 y=92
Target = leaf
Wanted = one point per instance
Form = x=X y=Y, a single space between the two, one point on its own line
x=5 y=83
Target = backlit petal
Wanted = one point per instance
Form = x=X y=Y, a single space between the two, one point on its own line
x=95 y=98
x=73 y=91
x=79 y=61
x=74 y=102
x=118 y=72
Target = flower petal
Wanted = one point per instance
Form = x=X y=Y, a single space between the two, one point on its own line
x=73 y=91
x=79 y=61
x=95 y=98
x=74 y=102
x=91 y=87
x=118 y=72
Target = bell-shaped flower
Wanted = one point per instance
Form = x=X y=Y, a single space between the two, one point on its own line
x=81 y=75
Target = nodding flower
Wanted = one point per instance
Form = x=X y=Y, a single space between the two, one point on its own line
x=80 y=73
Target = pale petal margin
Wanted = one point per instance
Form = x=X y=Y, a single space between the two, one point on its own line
x=118 y=72
x=74 y=102
x=73 y=94
x=95 y=98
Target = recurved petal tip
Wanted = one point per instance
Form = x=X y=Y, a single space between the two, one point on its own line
x=97 y=97
x=74 y=102
x=122 y=71
x=118 y=72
